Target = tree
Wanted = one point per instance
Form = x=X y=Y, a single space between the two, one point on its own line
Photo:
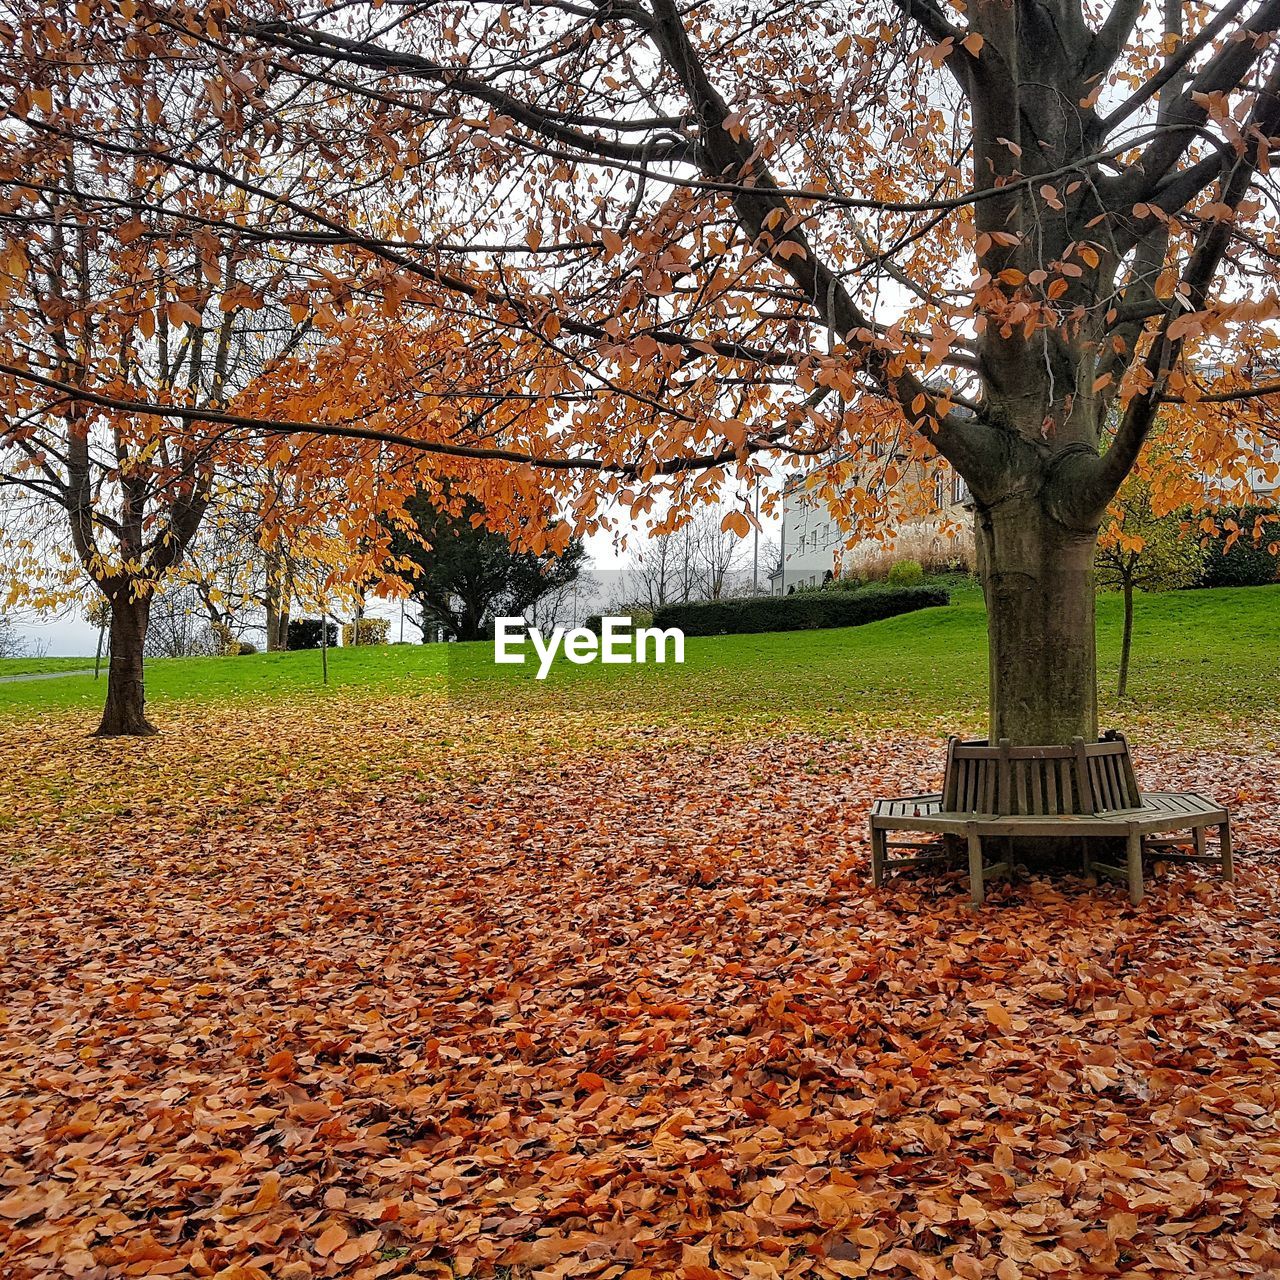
x=1139 y=548
x=97 y=613
x=1008 y=232
x=687 y=556
x=151 y=279
x=12 y=644
x=462 y=574
x=661 y=570
x=102 y=275
x=177 y=624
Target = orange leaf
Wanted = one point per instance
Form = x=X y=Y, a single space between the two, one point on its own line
x=331 y=1238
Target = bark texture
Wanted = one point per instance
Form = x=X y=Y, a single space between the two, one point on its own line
x=1037 y=576
x=125 y=710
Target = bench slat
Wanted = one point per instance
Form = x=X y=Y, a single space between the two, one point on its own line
x=1077 y=791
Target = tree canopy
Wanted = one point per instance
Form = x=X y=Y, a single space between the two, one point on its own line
x=462 y=574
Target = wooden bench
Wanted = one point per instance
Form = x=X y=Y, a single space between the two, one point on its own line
x=1086 y=790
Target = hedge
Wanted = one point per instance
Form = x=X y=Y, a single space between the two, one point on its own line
x=639 y=618
x=800 y=612
x=1245 y=563
x=304 y=633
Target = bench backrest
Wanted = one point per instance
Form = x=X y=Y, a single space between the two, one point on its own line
x=1084 y=777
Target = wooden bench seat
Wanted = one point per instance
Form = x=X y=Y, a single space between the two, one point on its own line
x=1093 y=794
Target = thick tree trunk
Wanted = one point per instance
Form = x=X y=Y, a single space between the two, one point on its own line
x=125 y=712
x=1037 y=576
x=1122 y=685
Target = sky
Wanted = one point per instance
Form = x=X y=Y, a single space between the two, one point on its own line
x=66 y=634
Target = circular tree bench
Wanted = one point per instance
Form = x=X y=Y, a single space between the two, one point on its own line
x=1086 y=791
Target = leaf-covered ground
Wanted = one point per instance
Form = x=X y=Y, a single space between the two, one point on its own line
x=420 y=987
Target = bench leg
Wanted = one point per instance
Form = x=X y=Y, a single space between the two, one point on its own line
x=1224 y=841
x=878 y=854
x=977 y=891
x=1197 y=837
x=1135 y=865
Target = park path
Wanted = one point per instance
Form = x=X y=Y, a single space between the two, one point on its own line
x=45 y=675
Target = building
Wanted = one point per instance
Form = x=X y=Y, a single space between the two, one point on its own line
x=813 y=544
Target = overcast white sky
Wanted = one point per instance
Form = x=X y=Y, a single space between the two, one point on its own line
x=66 y=634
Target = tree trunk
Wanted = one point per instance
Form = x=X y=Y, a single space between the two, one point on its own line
x=1122 y=685
x=273 y=621
x=125 y=712
x=1037 y=576
x=274 y=600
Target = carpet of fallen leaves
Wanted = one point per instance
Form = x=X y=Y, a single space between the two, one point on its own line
x=428 y=990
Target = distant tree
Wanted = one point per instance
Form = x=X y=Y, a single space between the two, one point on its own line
x=770 y=562
x=701 y=558
x=719 y=553
x=97 y=613
x=462 y=574
x=1139 y=548
x=661 y=571
x=12 y=644
x=567 y=603
x=177 y=626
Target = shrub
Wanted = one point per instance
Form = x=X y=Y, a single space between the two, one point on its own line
x=1248 y=562
x=937 y=553
x=245 y=648
x=640 y=617
x=305 y=633
x=223 y=642
x=372 y=631
x=799 y=612
x=906 y=573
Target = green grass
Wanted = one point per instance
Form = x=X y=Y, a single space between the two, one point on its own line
x=1205 y=659
x=39 y=666
x=394 y=669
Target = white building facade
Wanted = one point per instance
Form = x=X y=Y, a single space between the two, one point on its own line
x=813 y=544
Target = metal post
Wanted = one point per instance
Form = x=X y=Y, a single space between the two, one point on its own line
x=755 y=547
x=782 y=562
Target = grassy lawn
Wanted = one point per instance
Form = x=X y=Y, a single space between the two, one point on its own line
x=1203 y=661
x=31 y=666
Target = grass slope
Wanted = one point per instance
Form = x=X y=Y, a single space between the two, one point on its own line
x=39 y=666
x=1202 y=658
